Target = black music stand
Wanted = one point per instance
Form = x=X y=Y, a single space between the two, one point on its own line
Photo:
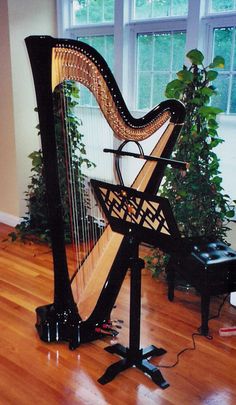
x=142 y=218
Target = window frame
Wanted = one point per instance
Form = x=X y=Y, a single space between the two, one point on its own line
x=209 y=13
x=157 y=27
x=211 y=22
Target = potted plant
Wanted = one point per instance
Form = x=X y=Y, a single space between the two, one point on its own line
x=197 y=198
x=35 y=223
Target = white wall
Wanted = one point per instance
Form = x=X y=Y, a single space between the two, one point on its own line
x=8 y=178
x=227 y=153
x=18 y=135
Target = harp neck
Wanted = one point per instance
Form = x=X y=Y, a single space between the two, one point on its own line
x=74 y=60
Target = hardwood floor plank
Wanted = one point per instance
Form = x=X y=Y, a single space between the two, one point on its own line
x=32 y=371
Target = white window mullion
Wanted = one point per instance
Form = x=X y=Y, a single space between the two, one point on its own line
x=103 y=11
x=64 y=17
x=231 y=71
x=171 y=60
x=195 y=10
x=119 y=41
x=131 y=83
x=152 y=74
x=122 y=48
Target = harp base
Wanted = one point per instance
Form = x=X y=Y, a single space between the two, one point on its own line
x=137 y=359
x=55 y=325
x=58 y=325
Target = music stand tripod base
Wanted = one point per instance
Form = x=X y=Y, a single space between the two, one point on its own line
x=140 y=362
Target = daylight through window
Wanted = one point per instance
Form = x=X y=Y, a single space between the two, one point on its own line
x=145 y=41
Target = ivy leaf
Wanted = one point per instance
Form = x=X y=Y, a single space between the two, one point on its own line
x=215 y=142
x=212 y=123
x=182 y=193
x=218 y=62
x=217 y=180
x=207 y=111
x=230 y=213
x=196 y=101
x=212 y=75
x=174 y=89
x=195 y=56
x=185 y=76
x=207 y=91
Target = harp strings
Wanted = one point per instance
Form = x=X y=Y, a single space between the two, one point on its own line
x=65 y=66
x=72 y=187
x=84 y=229
x=79 y=226
x=73 y=64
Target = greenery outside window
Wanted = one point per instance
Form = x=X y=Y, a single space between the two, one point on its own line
x=145 y=9
x=224 y=44
x=159 y=57
x=92 y=12
x=217 y=6
x=104 y=44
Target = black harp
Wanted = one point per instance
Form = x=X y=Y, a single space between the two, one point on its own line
x=71 y=317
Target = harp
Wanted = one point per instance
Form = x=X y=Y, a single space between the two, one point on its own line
x=82 y=305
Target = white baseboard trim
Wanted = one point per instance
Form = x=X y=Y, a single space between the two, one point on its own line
x=9 y=219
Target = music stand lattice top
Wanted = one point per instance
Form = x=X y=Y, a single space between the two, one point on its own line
x=148 y=217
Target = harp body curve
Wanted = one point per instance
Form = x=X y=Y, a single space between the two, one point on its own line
x=53 y=61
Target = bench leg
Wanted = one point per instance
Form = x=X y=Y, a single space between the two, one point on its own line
x=170 y=272
x=205 y=305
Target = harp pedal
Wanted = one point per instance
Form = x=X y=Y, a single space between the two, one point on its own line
x=106 y=329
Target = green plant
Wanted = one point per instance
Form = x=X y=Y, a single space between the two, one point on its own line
x=156 y=262
x=197 y=198
x=35 y=222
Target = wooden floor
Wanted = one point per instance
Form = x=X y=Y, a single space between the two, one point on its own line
x=33 y=372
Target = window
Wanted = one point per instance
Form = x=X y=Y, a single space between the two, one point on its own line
x=159 y=8
x=217 y=6
x=92 y=12
x=104 y=44
x=145 y=42
x=224 y=45
x=157 y=64
x=222 y=37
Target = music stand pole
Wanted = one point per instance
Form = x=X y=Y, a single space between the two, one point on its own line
x=134 y=356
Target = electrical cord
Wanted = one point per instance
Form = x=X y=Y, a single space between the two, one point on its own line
x=219 y=309
x=181 y=352
x=193 y=338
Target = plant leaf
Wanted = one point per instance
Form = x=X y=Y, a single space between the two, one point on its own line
x=230 y=213
x=174 y=89
x=212 y=75
x=218 y=62
x=195 y=56
x=185 y=76
x=206 y=111
x=207 y=91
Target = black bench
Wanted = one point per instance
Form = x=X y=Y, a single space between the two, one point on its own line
x=208 y=266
